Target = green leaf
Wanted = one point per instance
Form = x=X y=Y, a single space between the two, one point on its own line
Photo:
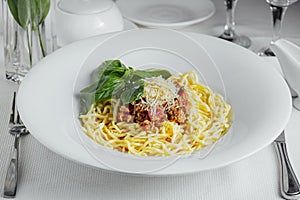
x=27 y=12
x=115 y=80
x=131 y=95
x=24 y=13
x=119 y=88
x=13 y=7
x=111 y=67
x=107 y=89
x=45 y=5
x=34 y=12
x=133 y=92
x=115 y=68
x=39 y=11
x=152 y=73
x=90 y=89
x=128 y=76
x=86 y=100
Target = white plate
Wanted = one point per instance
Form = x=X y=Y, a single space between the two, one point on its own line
x=166 y=13
x=252 y=87
x=145 y=48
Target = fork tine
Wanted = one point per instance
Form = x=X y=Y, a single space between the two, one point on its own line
x=18 y=118
x=13 y=110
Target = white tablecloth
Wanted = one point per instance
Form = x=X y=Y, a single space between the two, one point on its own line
x=45 y=175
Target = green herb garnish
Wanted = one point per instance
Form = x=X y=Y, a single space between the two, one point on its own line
x=115 y=80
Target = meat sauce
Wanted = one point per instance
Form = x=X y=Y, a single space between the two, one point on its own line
x=137 y=112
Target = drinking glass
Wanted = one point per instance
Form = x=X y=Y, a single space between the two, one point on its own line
x=229 y=33
x=278 y=8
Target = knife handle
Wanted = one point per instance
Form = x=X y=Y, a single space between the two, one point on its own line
x=289 y=185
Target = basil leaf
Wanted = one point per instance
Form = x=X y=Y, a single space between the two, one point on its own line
x=111 y=67
x=115 y=80
x=107 y=88
x=90 y=89
x=128 y=76
x=115 y=68
x=133 y=92
x=86 y=101
x=119 y=88
x=152 y=73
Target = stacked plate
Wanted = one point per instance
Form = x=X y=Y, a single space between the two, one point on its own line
x=166 y=13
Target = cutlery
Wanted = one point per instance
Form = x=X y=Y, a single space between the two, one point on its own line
x=289 y=185
x=17 y=129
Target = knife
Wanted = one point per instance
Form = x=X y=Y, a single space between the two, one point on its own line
x=289 y=185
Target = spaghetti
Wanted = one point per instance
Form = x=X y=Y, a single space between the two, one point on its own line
x=174 y=116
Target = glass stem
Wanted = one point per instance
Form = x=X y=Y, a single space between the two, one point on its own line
x=278 y=13
x=230 y=20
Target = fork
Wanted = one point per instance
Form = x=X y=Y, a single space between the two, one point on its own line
x=17 y=129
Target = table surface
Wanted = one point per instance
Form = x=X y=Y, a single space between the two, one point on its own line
x=45 y=175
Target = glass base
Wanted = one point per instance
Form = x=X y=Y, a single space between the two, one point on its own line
x=241 y=40
x=14 y=77
x=266 y=52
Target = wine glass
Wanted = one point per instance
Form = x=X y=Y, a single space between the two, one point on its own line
x=229 y=33
x=278 y=8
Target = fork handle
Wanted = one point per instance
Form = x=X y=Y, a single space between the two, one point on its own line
x=289 y=185
x=10 y=184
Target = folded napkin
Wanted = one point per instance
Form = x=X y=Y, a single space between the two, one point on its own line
x=288 y=55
